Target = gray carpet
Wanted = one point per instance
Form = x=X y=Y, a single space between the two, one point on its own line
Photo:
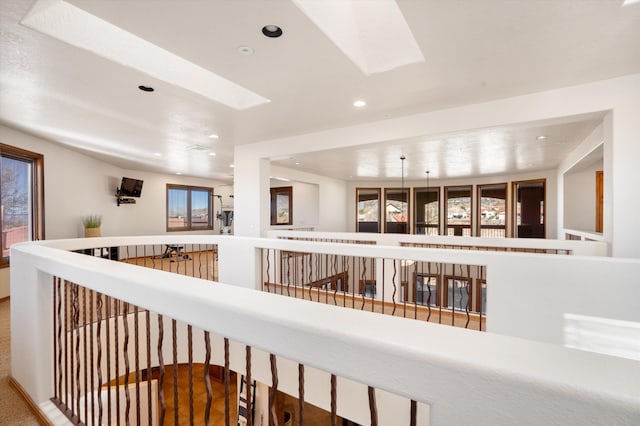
x=13 y=410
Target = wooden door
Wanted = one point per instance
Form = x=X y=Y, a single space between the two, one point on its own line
x=599 y=200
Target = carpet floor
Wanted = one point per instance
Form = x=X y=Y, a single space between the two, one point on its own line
x=13 y=409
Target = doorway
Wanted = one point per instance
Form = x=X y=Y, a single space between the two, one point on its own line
x=529 y=208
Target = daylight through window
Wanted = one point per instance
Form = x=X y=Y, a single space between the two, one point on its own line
x=189 y=208
x=21 y=183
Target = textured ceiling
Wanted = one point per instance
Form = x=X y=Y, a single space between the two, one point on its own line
x=474 y=51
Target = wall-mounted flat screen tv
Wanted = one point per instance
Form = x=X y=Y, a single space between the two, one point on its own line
x=130 y=187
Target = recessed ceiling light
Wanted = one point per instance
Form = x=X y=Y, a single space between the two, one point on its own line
x=245 y=50
x=359 y=103
x=146 y=88
x=297 y=163
x=231 y=165
x=157 y=154
x=541 y=138
x=212 y=154
x=272 y=31
x=178 y=173
x=213 y=136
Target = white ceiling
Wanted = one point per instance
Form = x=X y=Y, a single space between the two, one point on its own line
x=475 y=51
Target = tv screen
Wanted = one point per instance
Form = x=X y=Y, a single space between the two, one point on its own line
x=130 y=187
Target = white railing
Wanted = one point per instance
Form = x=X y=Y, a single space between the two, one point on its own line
x=581 y=248
x=501 y=380
x=576 y=235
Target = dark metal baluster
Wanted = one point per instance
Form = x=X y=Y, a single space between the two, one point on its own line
x=174 y=334
x=249 y=383
x=57 y=344
x=453 y=294
x=99 y=355
x=274 y=389
x=288 y=272
x=334 y=281
x=300 y=394
x=84 y=347
x=207 y=379
x=429 y=290
x=372 y=406
x=125 y=352
x=107 y=300
x=136 y=340
x=76 y=332
x=374 y=280
x=334 y=398
x=190 y=350
x=482 y=279
x=414 y=413
x=91 y=364
x=364 y=281
x=147 y=320
x=163 y=403
x=443 y=287
x=393 y=281
x=116 y=354
x=468 y=295
x=311 y=273
x=66 y=344
x=200 y=262
x=227 y=383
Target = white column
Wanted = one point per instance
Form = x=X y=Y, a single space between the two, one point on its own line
x=251 y=193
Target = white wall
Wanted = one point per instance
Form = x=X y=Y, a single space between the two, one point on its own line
x=581 y=191
x=329 y=202
x=305 y=201
x=77 y=185
x=580 y=198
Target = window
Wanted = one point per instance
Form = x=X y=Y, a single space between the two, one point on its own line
x=458 y=205
x=529 y=199
x=492 y=210
x=427 y=214
x=396 y=210
x=189 y=208
x=368 y=209
x=282 y=206
x=457 y=296
x=427 y=292
x=21 y=192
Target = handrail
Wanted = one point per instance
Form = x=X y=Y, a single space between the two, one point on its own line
x=585 y=248
x=502 y=379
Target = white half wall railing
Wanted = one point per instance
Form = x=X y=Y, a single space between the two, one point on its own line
x=507 y=377
x=582 y=248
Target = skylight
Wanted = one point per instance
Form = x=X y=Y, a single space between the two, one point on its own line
x=74 y=26
x=373 y=34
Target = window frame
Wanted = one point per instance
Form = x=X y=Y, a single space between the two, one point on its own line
x=425 y=225
x=446 y=209
x=379 y=222
x=189 y=189
x=37 y=191
x=287 y=190
x=383 y=210
x=507 y=209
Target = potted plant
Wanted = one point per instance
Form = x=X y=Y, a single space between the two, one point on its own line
x=91 y=225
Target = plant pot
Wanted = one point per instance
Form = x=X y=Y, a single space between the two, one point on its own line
x=92 y=232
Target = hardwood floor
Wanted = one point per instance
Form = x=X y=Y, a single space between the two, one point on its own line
x=183 y=408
